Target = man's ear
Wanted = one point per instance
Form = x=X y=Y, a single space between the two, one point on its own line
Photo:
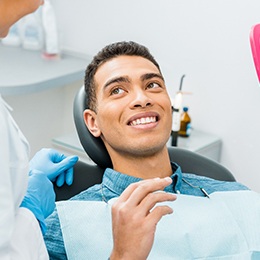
x=91 y=122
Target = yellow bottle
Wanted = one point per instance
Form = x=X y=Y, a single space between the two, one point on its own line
x=185 y=127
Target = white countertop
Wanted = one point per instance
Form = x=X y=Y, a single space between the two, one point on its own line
x=25 y=71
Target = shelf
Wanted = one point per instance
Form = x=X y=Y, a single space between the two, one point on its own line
x=25 y=71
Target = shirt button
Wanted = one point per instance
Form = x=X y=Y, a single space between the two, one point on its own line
x=178 y=192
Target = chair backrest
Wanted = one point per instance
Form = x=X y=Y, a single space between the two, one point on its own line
x=86 y=175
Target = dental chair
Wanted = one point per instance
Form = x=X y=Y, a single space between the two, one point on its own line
x=86 y=175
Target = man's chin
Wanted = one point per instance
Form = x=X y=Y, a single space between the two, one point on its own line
x=149 y=150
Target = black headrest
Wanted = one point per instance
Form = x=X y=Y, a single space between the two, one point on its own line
x=93 y=146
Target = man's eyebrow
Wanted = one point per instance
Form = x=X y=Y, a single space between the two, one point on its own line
x=151 y=75
x=117 y=80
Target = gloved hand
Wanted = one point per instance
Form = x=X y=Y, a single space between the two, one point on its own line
x=39 y=197
x=56 y=166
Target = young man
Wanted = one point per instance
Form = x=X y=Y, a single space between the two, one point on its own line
x=130 y=110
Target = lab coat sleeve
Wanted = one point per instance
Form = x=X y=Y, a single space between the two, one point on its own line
x=27 y=241
x=20 y=234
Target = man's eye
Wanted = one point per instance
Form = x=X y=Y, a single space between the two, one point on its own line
x=117 y=91
x=153 y=85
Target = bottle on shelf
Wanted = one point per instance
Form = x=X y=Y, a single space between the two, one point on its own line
x=185 y=127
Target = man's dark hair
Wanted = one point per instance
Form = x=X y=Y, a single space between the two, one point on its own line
x=109 y=52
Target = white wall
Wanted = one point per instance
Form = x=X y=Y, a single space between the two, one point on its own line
x=206 y=40
x=44 y=115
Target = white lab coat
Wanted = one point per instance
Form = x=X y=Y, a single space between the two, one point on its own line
x=20 y=233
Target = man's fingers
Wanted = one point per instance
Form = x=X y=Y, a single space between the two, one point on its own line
x=128 y=191
x=153 y=198
x=157 y=213
x=136 y=192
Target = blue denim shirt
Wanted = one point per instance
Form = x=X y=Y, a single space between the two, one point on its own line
x=114 y=183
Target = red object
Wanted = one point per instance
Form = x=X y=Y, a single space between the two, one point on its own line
x=255 y=47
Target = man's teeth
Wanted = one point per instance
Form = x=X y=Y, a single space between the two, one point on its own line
x=143 y=120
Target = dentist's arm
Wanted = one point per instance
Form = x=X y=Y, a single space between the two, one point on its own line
x=134 y=218
x=13 y=10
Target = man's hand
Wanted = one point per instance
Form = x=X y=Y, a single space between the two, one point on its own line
x=134 y=218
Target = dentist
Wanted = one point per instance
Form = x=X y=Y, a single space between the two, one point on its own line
x=27 y=197
x=26 y=200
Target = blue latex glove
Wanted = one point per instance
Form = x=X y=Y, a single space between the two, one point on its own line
x=55 y=165
x=39 y=197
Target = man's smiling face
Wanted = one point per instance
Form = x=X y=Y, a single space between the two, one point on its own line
x=133 y=115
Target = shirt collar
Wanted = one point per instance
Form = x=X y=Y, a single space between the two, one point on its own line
x=117 y=182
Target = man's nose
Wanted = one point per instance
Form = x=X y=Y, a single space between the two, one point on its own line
x=141 y=99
